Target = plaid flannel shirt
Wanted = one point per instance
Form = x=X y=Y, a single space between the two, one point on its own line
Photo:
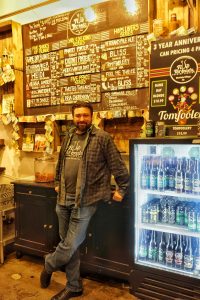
x=100 y=160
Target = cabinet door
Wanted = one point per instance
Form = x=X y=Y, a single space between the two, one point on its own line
x=52 y=228
x=107 y=243
x=31 y=222
x=36 y=220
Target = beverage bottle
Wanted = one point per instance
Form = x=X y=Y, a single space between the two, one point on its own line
x=197 y=258
x=153 y=248
x=198 y=218
x=143 y=248
x=154 y=211
x=192 y=164
x=145 y=213
x=148 y=236
x=171 y=174
x=188 y=178
x=164 y=210
x=166 y=176
x=179 y=178
x=188 y=256
x=174 y=238
x=172 y=212
x=173 y=24
x=183 y=164
x=196 y=178
x=144 y=175
x=162 y=249
x=186 y=208
x=161 y=176
x=180 y=214
x=184 y=243
x=178 y=253
x=153 y=175
x=192 y=218
x=170 y=252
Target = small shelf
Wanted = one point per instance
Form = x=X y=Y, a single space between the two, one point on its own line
x=169 y=193
x=170 y=228
x=7 y=230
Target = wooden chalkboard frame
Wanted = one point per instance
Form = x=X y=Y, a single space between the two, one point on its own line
x=46 y=44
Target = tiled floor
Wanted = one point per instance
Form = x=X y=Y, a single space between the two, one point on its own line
x=19 y=280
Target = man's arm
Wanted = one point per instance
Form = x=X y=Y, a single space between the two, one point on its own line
x=118 y=169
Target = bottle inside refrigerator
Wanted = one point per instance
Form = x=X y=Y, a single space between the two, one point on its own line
x=166 y=191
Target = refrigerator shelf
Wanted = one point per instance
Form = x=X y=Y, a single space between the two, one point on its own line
x=176 y=229
x=166 y=268
x=169 y=193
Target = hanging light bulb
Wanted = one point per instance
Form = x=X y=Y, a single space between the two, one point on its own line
x=90 y=14
x=131 y=6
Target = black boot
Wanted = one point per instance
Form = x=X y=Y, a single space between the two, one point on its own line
x=66 y=294
x=45 y=279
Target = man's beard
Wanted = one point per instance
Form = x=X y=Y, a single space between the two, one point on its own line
x=83 y=127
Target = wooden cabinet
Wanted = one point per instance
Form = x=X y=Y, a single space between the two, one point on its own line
x=36 y=221
x=106 y=250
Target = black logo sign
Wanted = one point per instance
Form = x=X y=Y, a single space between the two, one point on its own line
x=183 y=69
x=78 y=23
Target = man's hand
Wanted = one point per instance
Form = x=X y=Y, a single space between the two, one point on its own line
x=117 y=196
x=57 y=189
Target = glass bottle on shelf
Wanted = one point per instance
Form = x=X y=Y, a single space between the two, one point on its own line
x=153 y=175
x=188 y=256
x=197 y=258
x=173 y=24
x=172 y=169
x=186 y=208
x=178 y=255
x=188 y=178
x=180 y=214
x=170 y=251
x=167 y=170
x=192 y=217
x=184 y=243
x=164 y=208
x=143 y=248
x=196 y=178
x=161 y=176
x=153 y=248
x=179 y=178
x=172 y=211
x=198 y=217
x=145 y=213
x=154 y=211
x=144 y=175
x=162 y=249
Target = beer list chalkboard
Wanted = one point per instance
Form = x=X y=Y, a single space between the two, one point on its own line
x=106 y=62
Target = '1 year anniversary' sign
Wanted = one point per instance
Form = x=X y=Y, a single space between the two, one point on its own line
x=175 y=84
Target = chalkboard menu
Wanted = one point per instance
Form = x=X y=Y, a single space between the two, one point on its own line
x=81 y=87
x=175 y=84
x=68 y=58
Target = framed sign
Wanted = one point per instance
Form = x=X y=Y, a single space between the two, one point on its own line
x=69 y=57
x=175 y=84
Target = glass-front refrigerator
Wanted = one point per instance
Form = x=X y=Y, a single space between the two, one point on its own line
x=165 y=218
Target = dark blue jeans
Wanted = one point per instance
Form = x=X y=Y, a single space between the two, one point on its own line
x=73 y=224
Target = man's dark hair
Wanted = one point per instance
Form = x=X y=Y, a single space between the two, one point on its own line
x=79 y=104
